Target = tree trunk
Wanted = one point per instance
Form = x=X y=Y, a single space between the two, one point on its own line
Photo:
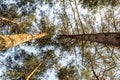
x=105 y=38
x=9 y=41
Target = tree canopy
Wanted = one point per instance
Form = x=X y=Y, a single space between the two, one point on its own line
x=64 y=39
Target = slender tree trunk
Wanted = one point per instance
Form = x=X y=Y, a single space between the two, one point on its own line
x=43 y=62
x=33 y=72
x=9 y=41
x=105 y=38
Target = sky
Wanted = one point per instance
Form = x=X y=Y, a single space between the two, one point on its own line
x=51 y=74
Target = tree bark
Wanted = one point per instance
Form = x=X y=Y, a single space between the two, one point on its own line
x=9 y=41
x=105 y=38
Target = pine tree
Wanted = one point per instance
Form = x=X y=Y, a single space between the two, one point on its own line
x=77 y=34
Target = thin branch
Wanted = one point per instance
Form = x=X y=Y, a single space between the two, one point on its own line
x=68 y=20
x=76 y=22
x=33 y=72
x=113 y=17
x=97 y=77
x=81 y=24
x=5 y=19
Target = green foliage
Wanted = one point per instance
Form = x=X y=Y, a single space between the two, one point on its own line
x=95 y=3
x=23 y=21
x=86 y=74
x=7 y=9
x=23 y=12
x=68 y=73
x=47 y=26
x=30 y=61
x=15 y=74
x=49 y=2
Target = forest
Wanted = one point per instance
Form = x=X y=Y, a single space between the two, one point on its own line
x=59 y=39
